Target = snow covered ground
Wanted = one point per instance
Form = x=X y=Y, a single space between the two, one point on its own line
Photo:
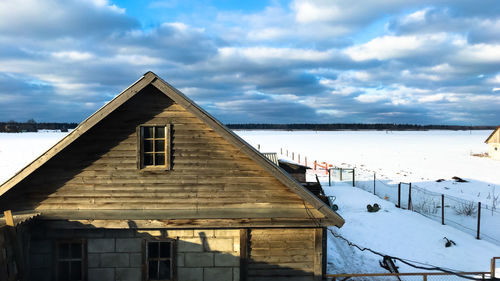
x=418 y=157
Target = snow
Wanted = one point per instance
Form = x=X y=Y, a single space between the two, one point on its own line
x=417 y=157
x=18 y=149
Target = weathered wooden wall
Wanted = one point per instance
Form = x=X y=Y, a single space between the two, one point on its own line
x=99 y=170
x=9 y=259
x=285 y=254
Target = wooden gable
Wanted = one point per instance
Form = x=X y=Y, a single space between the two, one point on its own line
x=494 y=136
x=213 y=175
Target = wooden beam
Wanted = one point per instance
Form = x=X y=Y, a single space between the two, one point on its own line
x=244 y=253
x=9 y=220
x=318 y=254
x=180 y=224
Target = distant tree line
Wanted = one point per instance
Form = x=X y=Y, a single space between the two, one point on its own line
x=32 y=126
x=354 y=126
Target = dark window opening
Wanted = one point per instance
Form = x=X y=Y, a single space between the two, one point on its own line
x=70 y=261
x=159 y=258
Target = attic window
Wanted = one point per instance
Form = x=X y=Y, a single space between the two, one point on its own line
x=154 y=147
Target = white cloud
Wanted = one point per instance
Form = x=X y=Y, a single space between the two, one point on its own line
x=263 y=54
x=73 y=55
x=391 y=47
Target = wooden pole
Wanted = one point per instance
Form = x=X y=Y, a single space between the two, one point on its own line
x=442 y=209
x=340 y=174
x=315 y=163
x=353 y=176
x=478 y=219
x=293 y=155
x=493 y=267
x=399 y=195
x=374 y=178
x=298 y=156
x=281 y=150
x=305 y=158
x=329 y=177
x=409 y=197
x=9 y=220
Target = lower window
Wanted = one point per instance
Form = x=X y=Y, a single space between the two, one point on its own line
x=70 y=260
x=160 y=262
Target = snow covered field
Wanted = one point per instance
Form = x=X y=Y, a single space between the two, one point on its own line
x=418 y=157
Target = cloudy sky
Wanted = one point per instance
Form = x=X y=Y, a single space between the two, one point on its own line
x=370 y=61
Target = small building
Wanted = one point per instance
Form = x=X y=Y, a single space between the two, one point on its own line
x=493 y=142
x=152 y=187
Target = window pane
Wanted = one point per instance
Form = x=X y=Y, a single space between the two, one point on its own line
x=76 y=270
x=148 y=146
x=164 y=270
x=159 y=145
x=148 y=132
x=153 y=250
x=63 y=251
x=160 y=159
x=153 y=270
x=76 y=250
x=165 y=250
x=148 y=159
x=160 y=132
x=63 y=270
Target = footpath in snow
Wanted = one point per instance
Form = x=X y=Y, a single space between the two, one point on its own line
x=399 y=233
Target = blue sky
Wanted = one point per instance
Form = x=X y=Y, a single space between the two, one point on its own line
x=299 y=61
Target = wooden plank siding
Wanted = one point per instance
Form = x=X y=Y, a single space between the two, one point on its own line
x=98 y=171
x=284 y=254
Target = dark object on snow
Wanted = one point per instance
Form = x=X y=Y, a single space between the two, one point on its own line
x=439 y=180
x=294 y=169
x=449 y=242
x=373 y=209
x=457 y=179
x=388 y=264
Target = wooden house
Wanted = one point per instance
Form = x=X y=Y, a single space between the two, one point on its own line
x=152 y=187
x=493 y=142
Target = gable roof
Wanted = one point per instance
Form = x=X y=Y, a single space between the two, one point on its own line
x=492 y=134
x=150 y=78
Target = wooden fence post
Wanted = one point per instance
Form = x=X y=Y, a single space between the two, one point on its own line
x=409 y=197
x=399 y=195
x=478 y=219
x=340 y=174
x=442 y=209
x=305 y=158
x=353 y=175
x=374 y=178
x=298 y=156
x=293 y=155
x=315 y=163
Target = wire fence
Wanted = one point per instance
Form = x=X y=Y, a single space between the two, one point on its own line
x=476 y=218
x=427 y=276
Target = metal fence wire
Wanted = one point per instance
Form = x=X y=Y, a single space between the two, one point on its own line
x=428 y=276
x=476 y=218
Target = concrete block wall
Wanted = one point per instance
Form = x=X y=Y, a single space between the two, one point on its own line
x=201 y=255
x=205 y=254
